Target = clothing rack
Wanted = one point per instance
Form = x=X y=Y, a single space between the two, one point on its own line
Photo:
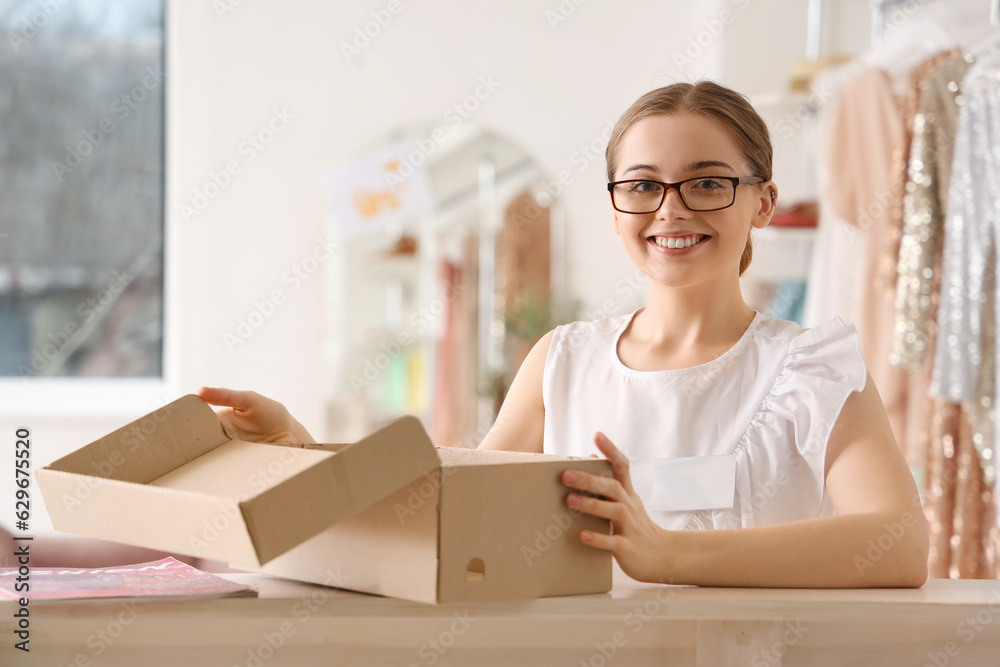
x=880 y=7
x=814 y=29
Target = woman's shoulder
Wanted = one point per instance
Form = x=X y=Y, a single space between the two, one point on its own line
x=797 y=335
x=825 y=355
x=595 y=325
x=597 y=331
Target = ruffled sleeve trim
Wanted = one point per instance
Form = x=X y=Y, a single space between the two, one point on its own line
x=821 y=369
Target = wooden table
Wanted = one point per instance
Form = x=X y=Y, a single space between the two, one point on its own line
x=947 y=622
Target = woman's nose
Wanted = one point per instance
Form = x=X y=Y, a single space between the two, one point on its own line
x=672 y=203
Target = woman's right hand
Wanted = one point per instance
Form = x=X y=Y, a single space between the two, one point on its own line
x=249 y=416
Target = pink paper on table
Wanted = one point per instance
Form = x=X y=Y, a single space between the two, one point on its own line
x=162 y=578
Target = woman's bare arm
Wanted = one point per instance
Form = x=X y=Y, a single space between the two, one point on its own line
x=878 y=539
x=521 y=421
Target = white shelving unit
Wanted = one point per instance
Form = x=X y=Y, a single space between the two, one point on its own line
x=780 y=254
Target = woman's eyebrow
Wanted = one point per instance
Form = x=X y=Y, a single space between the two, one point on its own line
x=695 y=166
x=636 y=167
x=692 y=166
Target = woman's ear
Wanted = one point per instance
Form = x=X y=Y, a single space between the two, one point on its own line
x=768 y=203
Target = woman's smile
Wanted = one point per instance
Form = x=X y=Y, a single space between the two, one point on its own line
x=678 y=243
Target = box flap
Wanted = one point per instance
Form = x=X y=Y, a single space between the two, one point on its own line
x=167 y=438
x=367 y=471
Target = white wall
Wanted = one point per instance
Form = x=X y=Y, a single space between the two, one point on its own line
x=559 y=87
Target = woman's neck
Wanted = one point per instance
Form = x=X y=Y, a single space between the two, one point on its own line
x=693 y=317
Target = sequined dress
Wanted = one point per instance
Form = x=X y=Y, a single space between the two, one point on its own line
x=960 y=476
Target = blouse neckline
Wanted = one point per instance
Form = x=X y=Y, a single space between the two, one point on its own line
x=676 y=372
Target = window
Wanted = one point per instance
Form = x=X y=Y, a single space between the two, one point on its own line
x=81 y=188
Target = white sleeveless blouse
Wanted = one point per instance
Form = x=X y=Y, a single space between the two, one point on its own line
x=734 y=443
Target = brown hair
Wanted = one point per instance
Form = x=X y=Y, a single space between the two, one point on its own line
x=710 y=99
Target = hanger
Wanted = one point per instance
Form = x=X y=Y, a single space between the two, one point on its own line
x=973 y=35
x=912 y=43
x=991 y=40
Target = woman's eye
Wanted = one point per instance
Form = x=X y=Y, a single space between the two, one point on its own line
x=644 y=186
x=709 y=184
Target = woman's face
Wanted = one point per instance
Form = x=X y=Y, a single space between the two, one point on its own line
x=675 y=148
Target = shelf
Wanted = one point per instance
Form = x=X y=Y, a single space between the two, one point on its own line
x=781 y=253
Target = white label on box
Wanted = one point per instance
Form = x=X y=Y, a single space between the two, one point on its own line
x=693 y=483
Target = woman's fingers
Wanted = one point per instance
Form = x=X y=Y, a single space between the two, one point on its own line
x=215 y=396
x=603 y=509
x=601 y=486
x=232 y=398
x=238 y=400
x=600 y=540
x=618 y=461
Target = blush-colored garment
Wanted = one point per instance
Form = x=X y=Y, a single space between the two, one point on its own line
x=866 y=140
x=737 y=442
x=835 y=265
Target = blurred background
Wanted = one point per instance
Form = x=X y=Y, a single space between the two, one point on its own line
x=370 y=209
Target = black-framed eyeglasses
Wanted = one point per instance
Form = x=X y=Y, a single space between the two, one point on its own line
x=703 y=193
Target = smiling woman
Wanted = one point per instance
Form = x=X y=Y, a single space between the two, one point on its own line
x=751 y=451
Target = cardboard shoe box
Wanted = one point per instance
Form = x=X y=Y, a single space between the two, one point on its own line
x=390 y=514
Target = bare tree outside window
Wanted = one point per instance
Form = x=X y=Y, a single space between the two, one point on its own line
x=81 y=188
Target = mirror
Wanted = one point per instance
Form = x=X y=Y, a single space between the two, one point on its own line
x=451 y=268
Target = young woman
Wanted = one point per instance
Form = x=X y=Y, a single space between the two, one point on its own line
x=771 y=435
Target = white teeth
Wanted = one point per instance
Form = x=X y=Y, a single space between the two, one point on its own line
x=677 y=242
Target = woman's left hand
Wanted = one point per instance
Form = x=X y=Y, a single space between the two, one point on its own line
x=638 y=544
